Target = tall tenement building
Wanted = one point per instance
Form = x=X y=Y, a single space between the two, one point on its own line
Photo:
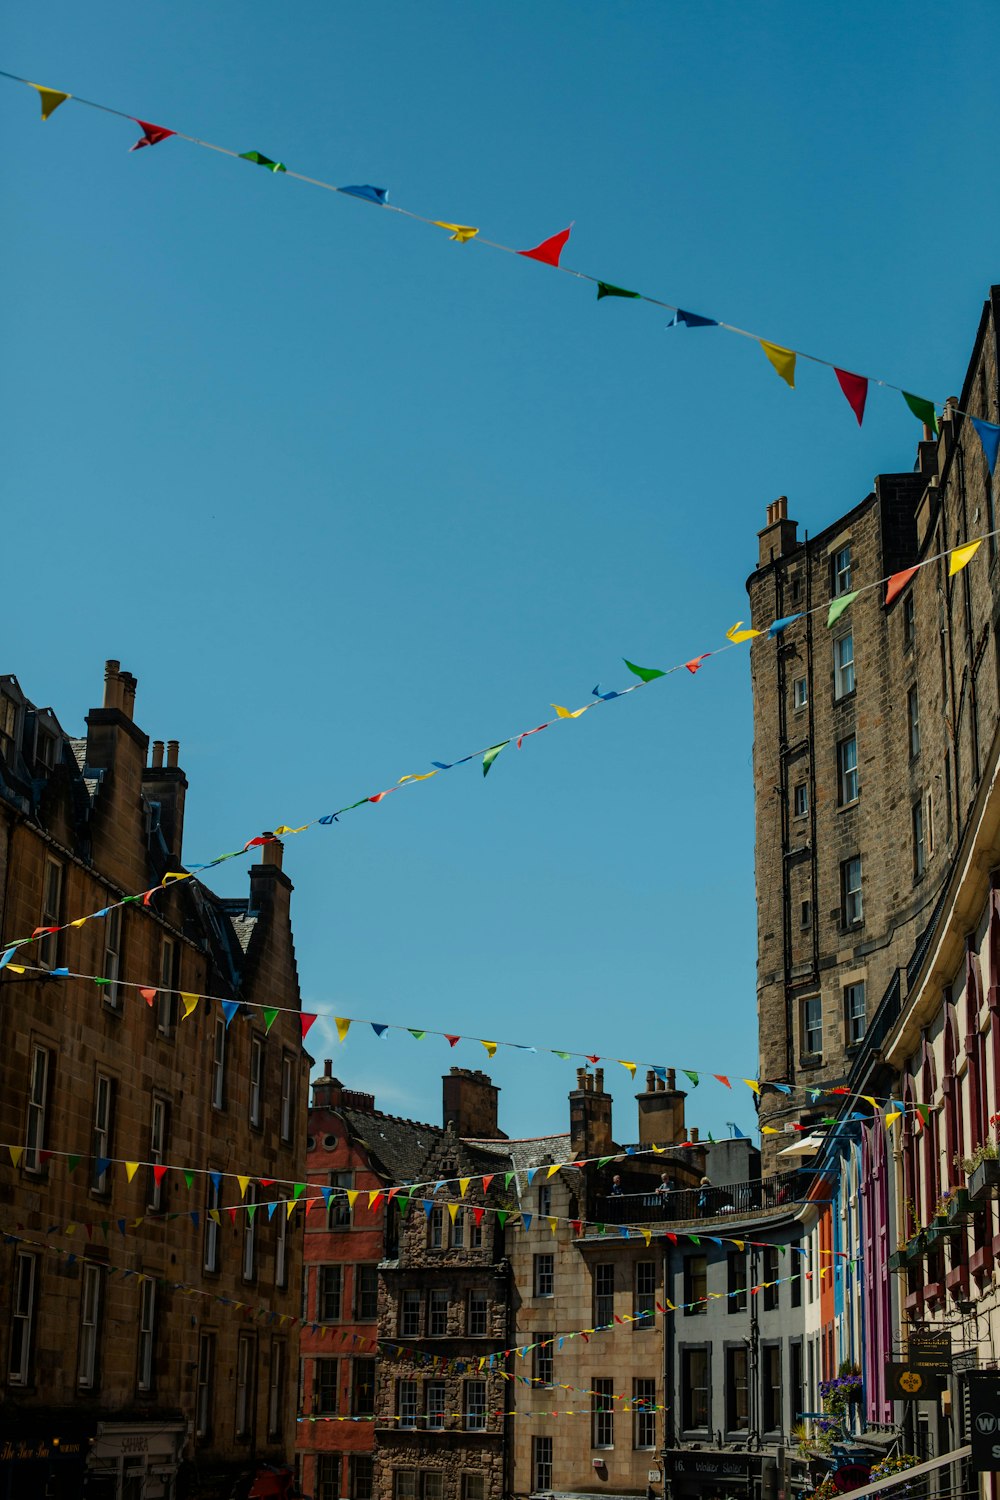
x=870 y=735
x=149 y=1337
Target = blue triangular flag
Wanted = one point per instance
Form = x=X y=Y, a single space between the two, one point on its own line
x=623 y=1231
x=531 y=1173
x=328 y=819
x=59 y=973
x=738 y=1134
x=428 y=1206
x=365 y=190
x=216 y=1181
x=229 y=1009
x=989 y=436
x=526 y=1219
x=101 y=1165
x=327 y=1195
x=780 y=625
x=691 y=320
x=6 y=957
x=121 y=1226
x=595 y=692
x=378 y=1028
x=783 y=1088
x=270 y=1211
x=194 y=1217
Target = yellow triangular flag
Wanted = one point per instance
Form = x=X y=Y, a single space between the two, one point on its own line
x=213 y=1213
x=629 y=1065
x=552 y=1224
x=670 y=1304
x=564 y=713
x=51 y=99
x=425 y=777
x=768 y=1130
x=869 y=1100
x=190 y=1002
x=463 y=1183
x=290 y=1208
x=343 y=1026
x=647 y=1234
x=658 y=1150
x=244 y=1183
x=783 y=360
x=553 y=1169
x=373 y=1193
x=491 y=1047
x=177 y=875
x=16 y=968
x=452 y=1211
x=70 y=1229
x=79 y=922
x=962 y=556
x=737 y=635
x=16 y=1152
x=352 y=1194
x=131 y=1167
x=461 y=232
x=752 y=1083
x=893 y=1114
x=740 y=1244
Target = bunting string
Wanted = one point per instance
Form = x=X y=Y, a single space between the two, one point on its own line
x=959 y=558
x=783 y=359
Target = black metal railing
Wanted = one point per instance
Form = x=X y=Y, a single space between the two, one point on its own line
x=734 y=1200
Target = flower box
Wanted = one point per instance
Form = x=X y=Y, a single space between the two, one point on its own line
x=958 y=1205
x=897 y=1260
x=940 y=1231
x=916 y=1247
x=984 y=1176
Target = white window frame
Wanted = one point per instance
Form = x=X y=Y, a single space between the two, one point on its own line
x=435 y=1229
x=843 y=665
x=800 y=692
x=645 y=1293
x=541 y=1462
x=435 y=1404
x=543 y=1359
x=603 y=1413
x=644 y=1435
x=437 y=1313
x=474 y=1405
x=409 y=1304
x=111 y=992
x=329 y=1271
x=473 y=1487
x=848 y=783
x=287 y=1096
x=842 y=570
x=478 y=1317
x=855 y=1011
x=147 y=1334
x=206 y=1381
x=406 y=1403
x=919 y=839
x=853 y=899
x=219 y=1065
x=52 y=888
x=800 y=799
x=38 y=1105
x=326 y=1385
x=90 y=1322
x=604 y=1293
x=249 y=1266
x=158 y=1126
x=276 y=1388
x=913 y=721
x=22 y=1318
x=360 y=1292
x=544 y=1276
x=246 y=1364
x=812 y=1026
x=103 y=1115
x=256 y=1081
x=545 y=1200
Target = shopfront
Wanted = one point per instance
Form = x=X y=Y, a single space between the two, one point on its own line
x=134 y=1461
x=711 y=1474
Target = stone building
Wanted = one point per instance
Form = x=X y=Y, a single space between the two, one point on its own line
x=149 y=1337
x=870 y=738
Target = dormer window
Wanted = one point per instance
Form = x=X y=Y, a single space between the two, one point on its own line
x=8 y=725
x=45 y=750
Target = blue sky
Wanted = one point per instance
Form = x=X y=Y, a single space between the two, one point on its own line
x=349 y=498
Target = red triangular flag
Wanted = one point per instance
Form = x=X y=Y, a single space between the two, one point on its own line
x=722 y=1079
x=452 y=1039
x=148 y=995
x=232 y=1213
x=487 y=1180
x=696 y=661
x=855 y=388
x=152 y=135
x=897 y=583
x=306 y=1021
x=159 y=1173
x=549 y=251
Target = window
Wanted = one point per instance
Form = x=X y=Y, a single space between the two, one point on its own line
x=544 y=1200
x=841 y=571
x=643 y=1400
x=246 y=1365
x=695 y=1284
x=919 y=847
x=475 y=1405
x=437 y=1314
x=147 y=1333
x=843 y=666
x=276 y=1392
x=694 y=1381
x=287 y=1097
x=328 y=1476
x=212 y=1224
x=325 y=1387
x=644 y=1304
x=737 y=1406
x=852 y=909
x=805 y=914
x=338 y=1211
x=256 y=1081
x=812 y=1026
x=206 y=1374
x=855 y=1015
x=112 y=957
x=800 y=692
x=771 y=1387
x=800 y=800
x=404 y=1484
x=796 y=1382
x=90 y=1321
x=409 y=1315
x=362 y=1476
x=930 y=824
x=736 y=1270
x=365 y=1293
x=542 y=1373
x=909 y=623
x=434 y=1403
x=476 y=1229
x=544 y=1275
x=101 y=1148
x=604 y=1295
x=435 y=1228
x=795 y=1284
x=157 y=1151
x=328 y=1298
x=219 y=1065
x=250 y=1233
x=406 y=1403
x=478 y=1315
x=432 y=1486
x=771 y=1270
x=48 y=947
x=913 y=722
x=602 y=1403
x=22 y=1318
x=166 y=1014
x=474 y=1486
x=363 y=1388
x=458 y=1229
x=541 y=1463
x=281 y=1250
x=847 y=770
x=8 y=725
x=38 y=1098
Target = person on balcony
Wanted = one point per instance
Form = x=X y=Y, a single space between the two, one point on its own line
x=616 y=1186
x=703 y=1196
x=664 y=1186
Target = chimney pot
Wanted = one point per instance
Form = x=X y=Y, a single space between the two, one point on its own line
x=129 y=685
x=173 y=750
x=650 y=1081
x=112 y=684
x=581 y=1074
x=271 y=854
x=598 y=1080
x=328 y=1066
x=661 y=1087
x=694 y=1134
x=671 y=1078
x=157 y=755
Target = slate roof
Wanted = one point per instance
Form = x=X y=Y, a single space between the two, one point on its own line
x=400 y=1147
x=536 y=1151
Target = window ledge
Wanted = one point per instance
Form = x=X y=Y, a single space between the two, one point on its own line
x=847 y=806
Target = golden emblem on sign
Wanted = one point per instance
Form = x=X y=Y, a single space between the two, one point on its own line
x=910 y=1381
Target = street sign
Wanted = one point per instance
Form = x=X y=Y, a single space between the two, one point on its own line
x=903 y=1383
x=984 y=1419
x=929 y=1353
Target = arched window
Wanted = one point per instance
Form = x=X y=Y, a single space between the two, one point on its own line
x=975 y=1047
x=953 y=1120
x=911 y=1175
x=929 y=1135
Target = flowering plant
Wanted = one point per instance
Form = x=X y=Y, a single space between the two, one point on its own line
x=896 y=1465
x=826 y=1489
x=840 y=1393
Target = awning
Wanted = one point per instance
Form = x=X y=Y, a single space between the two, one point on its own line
x=881 y=1485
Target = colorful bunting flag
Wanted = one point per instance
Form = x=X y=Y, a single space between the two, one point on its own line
x=270 y=1014
x=306 y=1020
x=628 y=1066
x=779 y=625
x=491 y=1047
x=229 y=1009
x=51 y=99
x=783 y=360
x=343 y=1026
x=491 y=755
x=190 y=1003
x=897 y=583
x=152 y=135
x=148 y=995
x=263 y=161
x=647 y=674
x=962 y=556
x=605 y=289
x=738 y=635
x=564 y=713
x=131 y=1167
x=855 y=388
x=460 y=232
x=989 y=436
x=365 y=190
x=549 y=251
x=923 y=410
x=694 y=1077
x=838 y=606
x=696 y=661
x=691 y=320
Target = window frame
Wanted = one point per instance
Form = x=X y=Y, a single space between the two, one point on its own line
x=919 y=836
x=276 y=1389
x=248 y=1261
x=800 y=799
x=205 y=1385
x=24 y=1293
x=146 y=1353
x=541 y=1461
x=362 y=1271
x=543 y=1359
x=474 y=1413
x=812 y=1026
x=326 y=1386
x=210 y=1249
x=477 y=1321
x=104 y=1089
x=361 y=1406
x=851 y=1014
x=88 y=1350
x=848 y=778
x=800 y=693
x=246 y=1371
x=410 y=1313
x=219 y=1065
x=281 y=1250
x=408 y=1412
x=114 y=926
x=735 y=1354
x=841 y=570
x=169 y=987
x=844 y=673
x=852 y=909
x=438 y=1306
x=329 y=1275
x=51 y=913
x=688 y=1353
x=644 y=1425
x=913 y=721
x=435 y=1405
x=37 y=1108
x=602 y=1412
x=159 y=1126
x=644 y=1299
x=287 y=1113
x=255 y=1112
x=736 y=1277
x=695 y=1302
x=543 y=1277
x=604 y=1293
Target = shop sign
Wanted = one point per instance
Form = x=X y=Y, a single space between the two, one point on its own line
x=930 y=1353
x=984 y=1419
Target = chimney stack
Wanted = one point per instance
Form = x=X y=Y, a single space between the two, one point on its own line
x=157 y=755
x=661 y=1111
x=469 y=1100
x=112 y=684
x=167 y=785
x=590 y=1116
x=780 y=535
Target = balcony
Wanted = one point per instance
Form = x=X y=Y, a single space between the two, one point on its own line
x=737 y=1200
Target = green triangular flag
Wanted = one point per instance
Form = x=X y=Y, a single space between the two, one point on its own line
x=508 y=1178
x=270 y=1016
x=711 y=1139
x=694 y=1239
x=501 y=1217
x=922 y=410
x=648 y=674
x=263 y=161
x=923 y=1110
x=564 y=1055
x=693 y=1076
x=297 y=1191
x=601 y=1228
x=605 y=289
x=102 y=981
x=491 y=756
x=251 y=1210
x=189 y=1179
x=404 y=1202
x=603 y=1160
x=418 y=1034
x=73 y=1162
x=838 y=606
x=782 y=1249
